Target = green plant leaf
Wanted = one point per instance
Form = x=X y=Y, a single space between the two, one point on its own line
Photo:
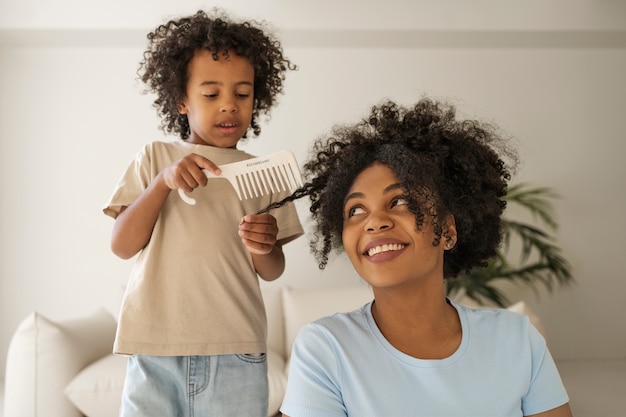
x=539 y=261
x=537 y=201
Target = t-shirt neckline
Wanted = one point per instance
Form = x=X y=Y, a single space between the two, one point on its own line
x=417 y=362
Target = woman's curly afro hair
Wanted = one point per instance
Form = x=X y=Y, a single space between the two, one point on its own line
x=171 y=47
x=446 y=167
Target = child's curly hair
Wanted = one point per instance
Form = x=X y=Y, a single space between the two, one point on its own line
x=172 y=46
x=446 y=166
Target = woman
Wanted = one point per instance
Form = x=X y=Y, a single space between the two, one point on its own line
x=414 y=197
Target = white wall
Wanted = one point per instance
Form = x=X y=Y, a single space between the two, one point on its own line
x=72 y=117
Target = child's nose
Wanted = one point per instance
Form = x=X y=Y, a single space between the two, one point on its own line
x=228 y=106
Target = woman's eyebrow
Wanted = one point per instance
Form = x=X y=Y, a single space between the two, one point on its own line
x=351 y=196
x=392 y=187
x=357 y=194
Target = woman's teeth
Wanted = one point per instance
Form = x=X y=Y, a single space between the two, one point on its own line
x=384 y=248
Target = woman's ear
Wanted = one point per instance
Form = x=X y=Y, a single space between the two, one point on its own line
x=449 y=233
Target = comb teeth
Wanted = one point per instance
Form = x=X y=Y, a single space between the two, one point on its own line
x=267 y=180
x=256 y=177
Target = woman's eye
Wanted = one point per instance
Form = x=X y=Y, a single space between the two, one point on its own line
x=355 y=210
x=399 y=201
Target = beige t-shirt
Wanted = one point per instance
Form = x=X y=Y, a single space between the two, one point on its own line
x=193 y=289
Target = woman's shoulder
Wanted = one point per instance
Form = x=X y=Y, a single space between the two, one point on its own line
x=341 y=324
x=344 y=318
x=497 y=323
x=492 y=315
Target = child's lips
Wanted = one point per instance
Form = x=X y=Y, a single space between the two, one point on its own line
x=228 y=126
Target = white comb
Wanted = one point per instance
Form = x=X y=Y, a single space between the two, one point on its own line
x=257 y=177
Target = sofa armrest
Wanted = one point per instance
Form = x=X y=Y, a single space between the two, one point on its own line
x=43 y=357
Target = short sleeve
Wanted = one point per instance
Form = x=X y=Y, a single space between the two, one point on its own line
x=313 y=388
x=546 y=388
x=133 y=182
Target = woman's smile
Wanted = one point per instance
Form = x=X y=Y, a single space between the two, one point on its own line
x=381 y=250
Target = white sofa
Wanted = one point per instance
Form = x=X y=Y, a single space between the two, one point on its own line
x=65 y=369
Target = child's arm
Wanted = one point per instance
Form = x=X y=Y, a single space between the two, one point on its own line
x=133 y=225
x=258 y=232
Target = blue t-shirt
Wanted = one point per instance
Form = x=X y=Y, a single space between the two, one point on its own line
x=342 y=365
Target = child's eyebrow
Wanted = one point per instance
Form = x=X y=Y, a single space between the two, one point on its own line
x=357 y=194
x=204 y=83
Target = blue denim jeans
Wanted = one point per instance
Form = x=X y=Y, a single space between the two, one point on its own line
x=196 y=386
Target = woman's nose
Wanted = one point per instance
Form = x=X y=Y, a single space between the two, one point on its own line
x=378 y=222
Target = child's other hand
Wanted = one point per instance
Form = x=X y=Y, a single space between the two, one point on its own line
x=186 y=173
x=258 y=232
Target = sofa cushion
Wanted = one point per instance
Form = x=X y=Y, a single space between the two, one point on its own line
x=97 y=389
x=274 y=311
x=44 y=355
x=277 y=378
x=302 y=306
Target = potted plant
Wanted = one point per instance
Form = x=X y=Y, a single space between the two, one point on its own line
x=539 y=259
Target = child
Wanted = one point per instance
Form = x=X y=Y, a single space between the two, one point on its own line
x=414 y=196
x=192 y=319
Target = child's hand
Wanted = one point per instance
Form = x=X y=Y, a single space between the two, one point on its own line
x=258 y=232
x=186 y=173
